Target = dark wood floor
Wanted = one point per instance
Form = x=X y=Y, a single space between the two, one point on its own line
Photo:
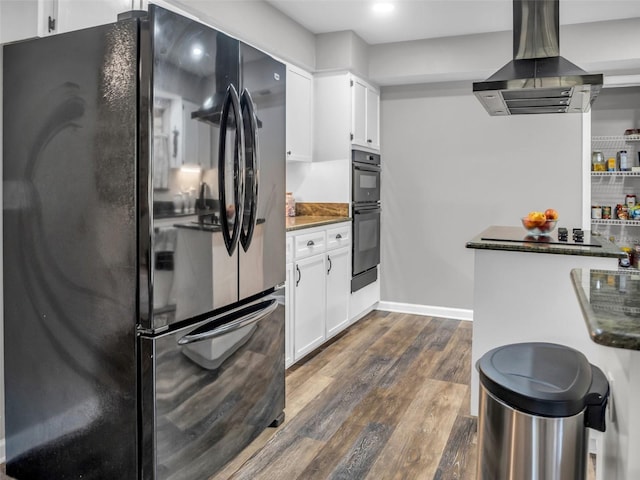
x=388 y=399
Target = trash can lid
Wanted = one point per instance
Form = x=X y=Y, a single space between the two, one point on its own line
x=537 y=378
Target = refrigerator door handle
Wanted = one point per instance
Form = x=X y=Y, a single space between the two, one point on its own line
x=246 y=104
x=203 y=333
x=231 y=101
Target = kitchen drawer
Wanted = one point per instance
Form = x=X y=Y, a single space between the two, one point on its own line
x=339 y=236
x=310 y=244
x=289 y=254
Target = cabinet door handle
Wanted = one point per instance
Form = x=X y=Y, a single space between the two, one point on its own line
x=289 y=152
x=330 y=264
x=338 y=237
x=369 y=140
x=299 y=275
x=310 y=243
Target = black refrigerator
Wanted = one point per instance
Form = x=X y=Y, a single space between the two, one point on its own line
x=143 y=248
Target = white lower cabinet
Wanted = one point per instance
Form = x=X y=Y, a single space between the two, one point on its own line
x=309 y=310
x=288 y=318
x=318 y=287
x=338 y=289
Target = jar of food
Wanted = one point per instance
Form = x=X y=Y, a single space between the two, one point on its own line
x=291 y=205
x=624 y=161
x=597 y=162
x=630 y=200
x=612 y=164
x=596 y=212
x=626 y=260
x=636 y=256
x=622 y=212
x=606 y=212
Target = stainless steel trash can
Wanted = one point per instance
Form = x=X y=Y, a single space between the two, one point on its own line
x=536 y=402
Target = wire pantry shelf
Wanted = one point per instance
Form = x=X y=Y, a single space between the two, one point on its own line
x=614 y=140
x=612 y=221
x=610 y=145
x=616 y=173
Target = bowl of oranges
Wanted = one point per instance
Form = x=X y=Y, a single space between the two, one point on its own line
x=540 y=224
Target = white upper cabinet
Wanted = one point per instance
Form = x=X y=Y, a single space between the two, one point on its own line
x=358 y=112
x=346 y=115
x=365 y=114
x=373 y=119
x=299 y=114
x=27 y=19
x=78 y=14
x=39 y=18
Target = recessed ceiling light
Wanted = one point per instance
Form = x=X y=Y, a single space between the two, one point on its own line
x=196 y=52
x=383 y=7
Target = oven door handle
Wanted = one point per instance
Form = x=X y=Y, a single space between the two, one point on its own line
x=367 y=168
x=361 y=210
x=245 y=320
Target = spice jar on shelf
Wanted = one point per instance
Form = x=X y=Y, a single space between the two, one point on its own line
x=624 y=161
x=622 y=212
x=597 y=162
x=291 y=205
x=630 y=200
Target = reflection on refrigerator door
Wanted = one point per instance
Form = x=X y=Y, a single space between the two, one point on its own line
x=215 y=388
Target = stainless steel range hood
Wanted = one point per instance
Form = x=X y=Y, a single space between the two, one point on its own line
x=538 y=79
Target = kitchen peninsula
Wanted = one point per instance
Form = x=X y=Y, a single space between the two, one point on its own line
x=610 y=302
x=522 y=292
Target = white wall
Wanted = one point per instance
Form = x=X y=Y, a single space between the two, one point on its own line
x=319 y=181
x=615 y=110
x=610 y=46
x=449 y=170
x=342 y=51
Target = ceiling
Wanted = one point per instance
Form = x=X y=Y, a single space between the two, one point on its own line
x=420 y=19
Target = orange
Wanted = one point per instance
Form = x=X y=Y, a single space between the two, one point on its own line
x=537 y=218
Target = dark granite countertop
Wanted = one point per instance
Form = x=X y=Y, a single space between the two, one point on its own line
x=308 y=221
x=515 y=239
x=610 y=303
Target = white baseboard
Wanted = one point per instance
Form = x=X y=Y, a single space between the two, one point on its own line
x=428 y=310
x=364 y=313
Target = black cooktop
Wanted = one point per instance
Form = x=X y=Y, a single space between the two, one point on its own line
x=563 y=236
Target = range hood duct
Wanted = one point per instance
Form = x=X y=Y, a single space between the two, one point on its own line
x=538 y=79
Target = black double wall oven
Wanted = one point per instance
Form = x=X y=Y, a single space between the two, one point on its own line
x=365 y=180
